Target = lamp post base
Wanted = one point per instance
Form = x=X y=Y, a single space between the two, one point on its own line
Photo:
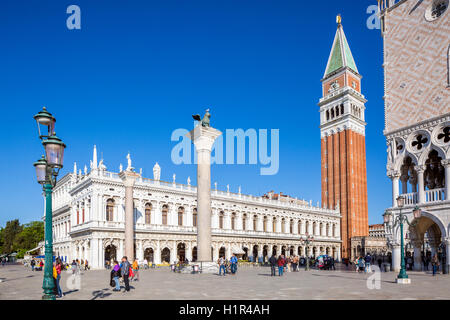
x=403 y=280
x=48 y=297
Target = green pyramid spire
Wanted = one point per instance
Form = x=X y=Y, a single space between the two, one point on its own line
x=340 y=55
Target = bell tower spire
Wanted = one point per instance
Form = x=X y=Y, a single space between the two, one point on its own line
x=342 y=129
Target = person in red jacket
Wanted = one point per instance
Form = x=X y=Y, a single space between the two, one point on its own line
x=281 y=263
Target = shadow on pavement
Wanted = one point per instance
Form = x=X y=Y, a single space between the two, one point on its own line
x=100 y=294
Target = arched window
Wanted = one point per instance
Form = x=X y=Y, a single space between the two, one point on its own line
x=233 y=220
x=221 y=220
x=255 y=220
x=274 y=224
x=337 y=111
x=314 y=231
x=342 y=108
x=328 y=230
x=244 y=221
x=299 y=226
x=109 y=209
x=307 y=226
x=320 y=229
x=332 y=113
x=180 y=216
x=165 y=210
x=194 y=217
x=291 y=227
x=148 y=213
x=328 y=115
x=265 y=224
x=283 y=225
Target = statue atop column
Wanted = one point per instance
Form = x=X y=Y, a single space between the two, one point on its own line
x=206 y=118
x=156 y=172
x=189 y=181
x=129 y=167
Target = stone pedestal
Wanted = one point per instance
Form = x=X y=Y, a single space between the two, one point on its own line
x=129 y=177
x=403 y=281
x=203 y=139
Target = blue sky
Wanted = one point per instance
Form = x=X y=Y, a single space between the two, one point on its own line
x=137 y=70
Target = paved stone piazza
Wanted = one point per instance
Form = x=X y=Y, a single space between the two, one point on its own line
x=250 y=283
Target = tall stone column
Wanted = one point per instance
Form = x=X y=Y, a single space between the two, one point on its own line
x=396 y=257
x=446 y=164
x=394 y=176
x=203 y=139
x=129 y=177
x=417 y=255
x=421 y=184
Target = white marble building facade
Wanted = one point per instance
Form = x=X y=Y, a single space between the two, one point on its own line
x=89 y=215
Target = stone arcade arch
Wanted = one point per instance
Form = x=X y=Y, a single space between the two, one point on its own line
x=148 y=254
x=110 y=253
x=181 y=252
x=165 y=255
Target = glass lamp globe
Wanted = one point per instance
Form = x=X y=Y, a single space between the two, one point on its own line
x=400 y=201
x=45 y=119
x=54 y=149
x=40 y=167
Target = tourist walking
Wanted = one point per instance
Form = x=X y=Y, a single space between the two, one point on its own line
x=367 y=260
x=135 y=270
x=115 y=274
x=221 y=263
x=58 y=267
x=233 y=262
x=379 y=262
x=281 y=263
x=33 y=263
x=332 y=266
x=74 y=267
x=86 y=265
x=273 y=264
x=435 y=263
x=125 y=271
x=361 y=264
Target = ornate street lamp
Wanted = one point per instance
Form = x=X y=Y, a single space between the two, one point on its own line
x=398 y=221
x=47 y=169
x=307 y=240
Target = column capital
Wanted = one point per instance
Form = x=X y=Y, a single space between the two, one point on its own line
x=420 y=168
x=445 y=163
x=203 y=137
x=392 y=174
x=128 y=177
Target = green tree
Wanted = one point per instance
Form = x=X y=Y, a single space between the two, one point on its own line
x=9 y=233
x=30 y=236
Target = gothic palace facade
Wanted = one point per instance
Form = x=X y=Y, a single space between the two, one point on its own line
x=89 y=212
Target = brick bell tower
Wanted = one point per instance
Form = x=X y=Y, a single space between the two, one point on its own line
x=342 y=127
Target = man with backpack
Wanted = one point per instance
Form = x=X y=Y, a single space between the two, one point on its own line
x=273 y=263
x=221 y=263
x=367 y=260
x=233 y=262
x=125 y=271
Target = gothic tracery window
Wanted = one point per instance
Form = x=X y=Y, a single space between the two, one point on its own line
x=233 y=221
x=244 y=221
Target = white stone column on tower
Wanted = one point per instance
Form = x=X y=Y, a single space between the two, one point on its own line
x=421 y=184
x=94 y=160
x=446 y=164
x=129 y=177
x=203 y=139
x=394 y=176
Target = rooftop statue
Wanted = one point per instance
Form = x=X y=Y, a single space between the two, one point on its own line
x=205 y=120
